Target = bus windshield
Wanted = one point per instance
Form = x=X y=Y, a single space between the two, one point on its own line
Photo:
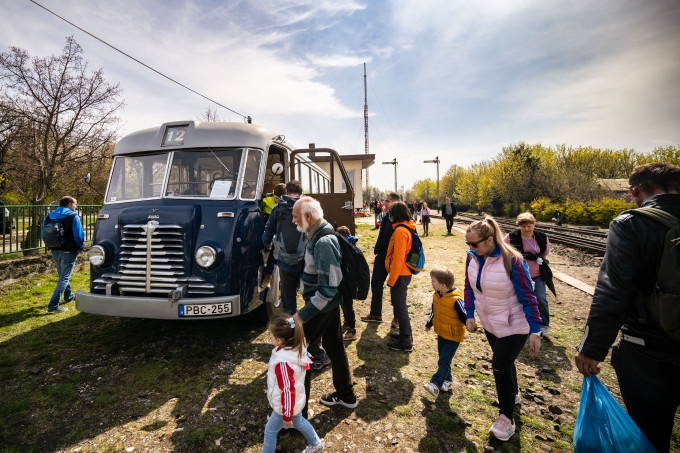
x=205 y=173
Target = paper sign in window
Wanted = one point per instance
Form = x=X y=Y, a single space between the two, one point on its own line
x=220 y=189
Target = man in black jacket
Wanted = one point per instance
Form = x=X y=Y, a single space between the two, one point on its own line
x=448 y=211
x=646 y=359
x=379 y=274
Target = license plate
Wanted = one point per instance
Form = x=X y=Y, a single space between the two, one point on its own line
x=205 y=309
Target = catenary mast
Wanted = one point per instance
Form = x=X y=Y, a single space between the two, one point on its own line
x=365 y=120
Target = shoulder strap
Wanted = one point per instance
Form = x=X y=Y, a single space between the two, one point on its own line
x=324 y=232
x=659 y=215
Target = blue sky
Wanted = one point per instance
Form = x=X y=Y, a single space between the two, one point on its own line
x=454 y=79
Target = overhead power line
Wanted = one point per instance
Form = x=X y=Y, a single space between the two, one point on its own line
x=138 y=61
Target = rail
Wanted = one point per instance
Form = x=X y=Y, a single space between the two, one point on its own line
x=592 y=241
x=21 y=225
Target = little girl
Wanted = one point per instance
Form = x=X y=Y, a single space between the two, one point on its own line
x=286 y=383
x=425 y=219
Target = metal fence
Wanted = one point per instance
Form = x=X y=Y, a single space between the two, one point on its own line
x=22 y=225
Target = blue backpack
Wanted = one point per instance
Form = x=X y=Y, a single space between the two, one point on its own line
x=415 y=259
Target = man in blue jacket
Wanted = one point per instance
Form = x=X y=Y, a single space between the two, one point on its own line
x=65 y=255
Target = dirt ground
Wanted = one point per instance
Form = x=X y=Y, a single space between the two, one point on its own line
x=154 y=386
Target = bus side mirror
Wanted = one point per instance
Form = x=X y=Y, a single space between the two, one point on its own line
x=88 y=178
x=277 y=168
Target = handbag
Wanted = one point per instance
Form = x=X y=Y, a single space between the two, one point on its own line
x=603 y=426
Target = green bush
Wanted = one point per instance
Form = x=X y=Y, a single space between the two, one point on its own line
x=596 y=212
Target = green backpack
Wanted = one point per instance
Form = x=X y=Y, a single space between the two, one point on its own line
x=663 y=305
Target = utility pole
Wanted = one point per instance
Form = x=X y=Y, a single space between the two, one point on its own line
x=365 y=120
x=393 y=162
x=435 y=161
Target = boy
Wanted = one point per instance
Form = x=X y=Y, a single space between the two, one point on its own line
x=349 y=331
x=448 y=318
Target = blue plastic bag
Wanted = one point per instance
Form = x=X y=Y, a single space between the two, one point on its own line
x=603 y=426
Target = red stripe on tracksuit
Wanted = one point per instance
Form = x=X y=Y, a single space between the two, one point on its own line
x=286 y=382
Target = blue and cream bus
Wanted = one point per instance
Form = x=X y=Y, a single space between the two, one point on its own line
x=179 y=235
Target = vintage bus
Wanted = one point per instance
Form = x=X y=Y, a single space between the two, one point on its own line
x=179 y=235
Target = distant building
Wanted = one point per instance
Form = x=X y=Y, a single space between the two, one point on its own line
x=618 y=187
x=354 y=164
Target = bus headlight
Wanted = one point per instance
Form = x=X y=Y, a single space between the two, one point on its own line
x=205 y=256
x=96 y=255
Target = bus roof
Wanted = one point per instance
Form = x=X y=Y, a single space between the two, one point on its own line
x=198 y=135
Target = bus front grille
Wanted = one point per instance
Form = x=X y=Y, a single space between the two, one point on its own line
x=153 y=262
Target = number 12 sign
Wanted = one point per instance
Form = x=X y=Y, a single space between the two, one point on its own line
x=174 y=135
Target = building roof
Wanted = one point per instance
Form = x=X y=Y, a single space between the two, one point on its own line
x=615 y=185
x=366 y=159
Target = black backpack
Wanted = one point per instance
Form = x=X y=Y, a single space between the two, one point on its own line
x=415 y=260
x=663 y=305
x=356 y=276
x=54 y=235
x=289 y=244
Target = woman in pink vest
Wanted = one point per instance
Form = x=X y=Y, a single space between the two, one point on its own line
x=498 y=286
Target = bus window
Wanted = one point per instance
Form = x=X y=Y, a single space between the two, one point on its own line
x=137 y=177
x=210 y=173
x=315 y=182
x=251 y=174
x=270 y=179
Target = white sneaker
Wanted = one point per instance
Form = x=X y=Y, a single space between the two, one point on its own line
x=314 y=448
x=446 y=386
x=503 y=429
x=518 y=397
x=432 y=389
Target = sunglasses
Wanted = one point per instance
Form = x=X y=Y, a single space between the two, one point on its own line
x=475 y=244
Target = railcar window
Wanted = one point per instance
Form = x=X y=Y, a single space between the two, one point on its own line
x=251 y=174
x=207 y=173
x=315 y=182
x=137 y=177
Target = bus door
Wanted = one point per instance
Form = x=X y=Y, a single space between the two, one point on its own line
x=335 y=192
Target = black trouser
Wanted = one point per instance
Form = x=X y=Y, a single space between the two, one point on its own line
x=377 y=281
x=426 y=224
x=649 y=382
x=398 y=295
x=289 y=286
x=348 y=311
x=449 y=223
x=505 y=352
x=327 y=327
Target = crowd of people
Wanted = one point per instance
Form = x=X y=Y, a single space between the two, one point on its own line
x=505 y=285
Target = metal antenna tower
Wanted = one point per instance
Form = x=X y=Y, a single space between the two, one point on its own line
x=365 y=120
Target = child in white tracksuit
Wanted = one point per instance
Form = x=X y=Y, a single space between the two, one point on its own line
x=286 y=383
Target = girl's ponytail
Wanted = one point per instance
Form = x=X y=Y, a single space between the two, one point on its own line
x=283 y=326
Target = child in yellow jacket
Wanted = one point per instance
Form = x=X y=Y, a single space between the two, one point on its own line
x=448 y=318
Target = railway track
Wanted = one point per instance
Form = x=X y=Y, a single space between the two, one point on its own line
x=592 y=241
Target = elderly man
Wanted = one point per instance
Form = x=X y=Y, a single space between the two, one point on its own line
x=321 y=313
x=646 y=358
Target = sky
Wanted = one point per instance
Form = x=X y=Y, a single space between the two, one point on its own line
x=454 y=79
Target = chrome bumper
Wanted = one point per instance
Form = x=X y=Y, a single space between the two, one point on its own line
x=149 y=307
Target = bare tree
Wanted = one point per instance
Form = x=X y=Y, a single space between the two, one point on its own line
x=210 y=115
x=57 y=119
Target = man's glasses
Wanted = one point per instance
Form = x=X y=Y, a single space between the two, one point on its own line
x=475 y=244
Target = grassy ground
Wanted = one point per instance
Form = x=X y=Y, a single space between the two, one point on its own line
x=78 y=382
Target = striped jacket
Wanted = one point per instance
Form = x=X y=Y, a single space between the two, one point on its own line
x=506 y=305
x=286 y=382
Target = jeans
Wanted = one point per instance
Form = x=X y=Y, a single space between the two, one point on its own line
x=64 y=262
x=446 y=350
x=648 y=381
x=398 y=295
x=289 y=285
x=326 y=325
x=378 y=278
x=275 y=424
x=541 y=296
x=505 y=352
x=348 y=311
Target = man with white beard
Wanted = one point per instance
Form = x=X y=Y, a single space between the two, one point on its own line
x=319 y=286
